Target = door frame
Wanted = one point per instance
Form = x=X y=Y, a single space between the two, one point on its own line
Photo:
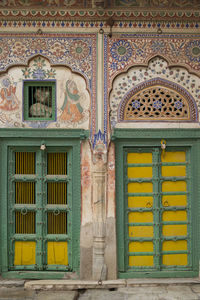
x=35 y=138
x=124 y=138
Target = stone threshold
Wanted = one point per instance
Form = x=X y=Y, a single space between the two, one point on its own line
x=107 y=284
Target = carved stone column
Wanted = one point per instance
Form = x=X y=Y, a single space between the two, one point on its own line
x=99 y=199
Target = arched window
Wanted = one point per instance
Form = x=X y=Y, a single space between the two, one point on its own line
x=157 y=100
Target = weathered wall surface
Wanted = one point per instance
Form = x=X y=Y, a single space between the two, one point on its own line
x=106 y=67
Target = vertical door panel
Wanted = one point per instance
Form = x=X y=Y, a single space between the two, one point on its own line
x=174 y=249
x=140 y=215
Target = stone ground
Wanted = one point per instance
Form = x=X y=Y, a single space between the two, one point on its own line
x=17 y=290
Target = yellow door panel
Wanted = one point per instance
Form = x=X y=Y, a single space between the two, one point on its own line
x=139 y=172
x=173 y=171
x=142 y=217
x=174 y=200
x=141 y=247
x=141 y=231
x=171 y=186
x=144 y=187
x=180 y=215
x=176 y=156
x=139 y=158
x=174 y=245
x=24 y=253
x=174 y=230
x=57 y=253
x=140 y=202
x=140 y=261
x=174 y=259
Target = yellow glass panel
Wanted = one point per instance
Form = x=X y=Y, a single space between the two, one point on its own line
x=24 y=253
x=180 y=215
x=173 y=171
x=139 y=172
x=139 y=158
x=141 y=231
x=144 y=187
x=141 y=247
x=177 y=186
x=174 y=200
x=57 y=253
x=176 y=156
x=174 y=245
x=174 y=259
x=140 y=201
x=174 y=230
x=136 y=261
x=134 y=217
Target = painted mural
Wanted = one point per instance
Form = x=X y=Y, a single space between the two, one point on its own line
x=72 y=98
x=72 y=108
x=85 y=4
x=77 y=52
x=131 y=52
x=8 y=98
x=158 y=75
x=158 y=3
x=46 y=3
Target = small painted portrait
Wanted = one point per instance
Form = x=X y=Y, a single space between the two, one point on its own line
x=72 y=109
x=8 y=98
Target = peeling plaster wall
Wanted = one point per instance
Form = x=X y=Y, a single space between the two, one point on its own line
x=86 y=239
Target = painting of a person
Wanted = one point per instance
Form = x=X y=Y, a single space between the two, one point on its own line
x=8 y=99
x=72 y=109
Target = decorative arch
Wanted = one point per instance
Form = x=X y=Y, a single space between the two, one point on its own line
x=174 y=86
x=157 y=100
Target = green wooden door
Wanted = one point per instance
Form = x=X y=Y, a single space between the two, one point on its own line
x=40 y=209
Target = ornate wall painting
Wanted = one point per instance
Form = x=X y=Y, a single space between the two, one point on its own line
x=127 y=51
x=9 y=102
x=72 y=97
x=73 y=103
x=89 y=4
x=43 y=3
x=8 y=98
x=158 y=3
x=39 y=55
x=174 y=82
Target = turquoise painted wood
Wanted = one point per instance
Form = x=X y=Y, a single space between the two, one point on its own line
x=32 y=139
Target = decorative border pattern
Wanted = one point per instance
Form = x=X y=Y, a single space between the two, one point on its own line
x=94 y=14
x=172 y=24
